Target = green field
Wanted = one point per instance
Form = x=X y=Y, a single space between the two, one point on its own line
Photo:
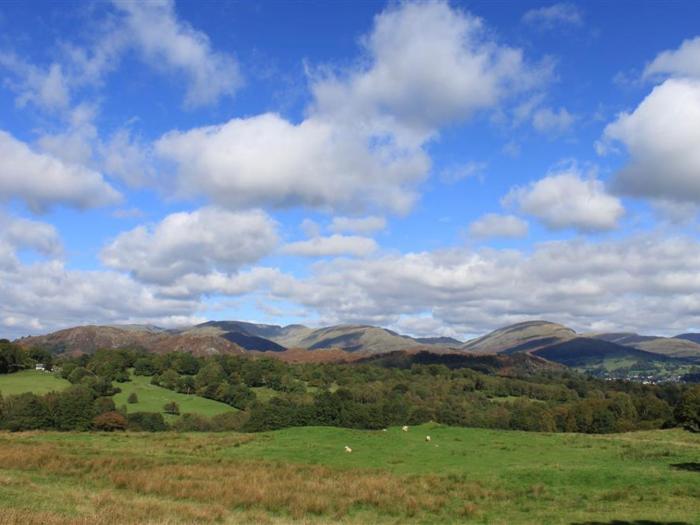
x=303 y=474
x=31 y=381
x=151 y=398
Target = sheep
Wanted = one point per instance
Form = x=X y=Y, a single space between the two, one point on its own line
x=404 y=428
x=384 y=430
x=427 y=438
x=348 y=449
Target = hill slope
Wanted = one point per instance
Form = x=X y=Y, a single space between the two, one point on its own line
x=88 y=339
x=520 y=337
x=679 y=346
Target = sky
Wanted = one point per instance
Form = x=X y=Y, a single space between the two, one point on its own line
x=438 y=168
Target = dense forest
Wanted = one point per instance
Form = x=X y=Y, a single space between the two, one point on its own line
x=365 y=395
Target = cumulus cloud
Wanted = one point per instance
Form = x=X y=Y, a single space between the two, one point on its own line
x=684 y=61
x=42 y=180
x=127 y=158
x=495 y=225
x=566 y=200
x=430 y=65
x=168 y=43
x=647 y=284
x=154 y=31
x=361 y=145
x=47 y=88
x=547 y=120
x=197 y=242
x=357 y=224
x=662 y=137
x=268 y=160
x=333 y=245
x=561 y=14
x=46 y=296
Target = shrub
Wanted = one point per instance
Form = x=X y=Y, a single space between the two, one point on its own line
x=192 y=423
x=109 y=422
x=171 y=408
x=146 y=422
x=133 y=398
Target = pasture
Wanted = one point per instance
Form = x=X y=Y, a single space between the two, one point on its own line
x=34 y=381
x=151 y=398
x=303 y=474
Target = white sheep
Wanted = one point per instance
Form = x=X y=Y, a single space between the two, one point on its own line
x=348 y=449
x=384 y=430
x=427 y=438
x=404 y=428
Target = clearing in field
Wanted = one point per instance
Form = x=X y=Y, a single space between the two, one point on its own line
x=461 y=475
x=151 y=398
x=34 y=381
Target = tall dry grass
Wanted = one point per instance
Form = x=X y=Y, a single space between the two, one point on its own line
x=133 y=489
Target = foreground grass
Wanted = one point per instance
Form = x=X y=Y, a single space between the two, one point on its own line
x=31 y=381
x=461 y=475
x=151 y=398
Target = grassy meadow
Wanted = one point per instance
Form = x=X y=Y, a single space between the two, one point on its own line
x=31 y=381
x=303 y=474
x=151 y=398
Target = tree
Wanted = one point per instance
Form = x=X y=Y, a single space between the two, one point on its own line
x=145 y=366
x=25 y=412
x=78 y=373
x=104 y=405
x=12 y=358
x=133 y=398
x=109 y=422
x=171 y=408
x=208 y=379
x=74 y=408
x=687 y=412
x=146 y=422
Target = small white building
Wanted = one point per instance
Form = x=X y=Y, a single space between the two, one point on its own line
x=40 y=366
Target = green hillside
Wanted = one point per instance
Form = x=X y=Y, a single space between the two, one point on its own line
x=461 y=475
x=31 y=381
x=151 y=398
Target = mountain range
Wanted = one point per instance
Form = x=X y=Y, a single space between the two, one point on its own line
x=541 y=339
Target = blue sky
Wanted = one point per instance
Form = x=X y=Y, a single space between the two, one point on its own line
x=434 y=167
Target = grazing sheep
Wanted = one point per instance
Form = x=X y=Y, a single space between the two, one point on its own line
x=427 y=438
x=348 y=449
x=404 y=428
x=384 y=430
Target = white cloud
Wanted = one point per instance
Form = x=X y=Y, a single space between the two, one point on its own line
x=22 y=234
x=648 y=284
x=127 y=158
x=684 y=61
x=361 y=145
x=495 y=225
x=268 y=160
x=42 y=181
x=429 y=64
x=333 y=245
x=561 y=14
x=546 y=120
x=357 y=224
x=171 y=44
x=662 y=136
x=154 y=31
x=197 y=242
x=46 y=296
x=458 y=172
x=46 y=88
x=564 y=199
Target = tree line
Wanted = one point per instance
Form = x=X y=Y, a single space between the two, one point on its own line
x=367 y=396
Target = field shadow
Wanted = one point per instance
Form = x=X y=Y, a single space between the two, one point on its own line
x=634 y=522
x=691 y=467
